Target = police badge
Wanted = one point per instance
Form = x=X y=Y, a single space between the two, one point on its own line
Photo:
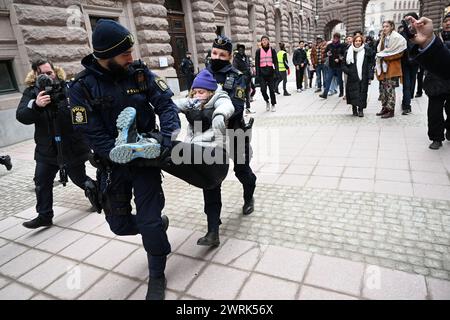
x=79 y=115
x=240 y=93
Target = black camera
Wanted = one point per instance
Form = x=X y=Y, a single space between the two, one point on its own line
x=53 y=88
x=408 y=29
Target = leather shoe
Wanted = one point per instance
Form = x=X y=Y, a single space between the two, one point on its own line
x=156 y=288
x=435 y=145
x=406 y=111
x=165 y=221
x=355 y=111
x=388 y=114
x=382 y=111
x=447 y=135
x=37 y=223
x=360 y=112
x=322 y=96
x=249 y=207
x=211 y=239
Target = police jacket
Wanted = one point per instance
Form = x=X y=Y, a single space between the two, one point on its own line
x=233 y=83
x=97 y=98
x=187 y=67
x=74 y=148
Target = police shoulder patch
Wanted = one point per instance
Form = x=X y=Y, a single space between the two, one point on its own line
x=240 y=93
x=79 y=115
x=161 y=84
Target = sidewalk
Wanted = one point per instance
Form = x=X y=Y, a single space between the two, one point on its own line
x=346 y=208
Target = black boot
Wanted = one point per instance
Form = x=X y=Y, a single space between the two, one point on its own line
x=156 y=288
x=6 y=160
x=360 y=112
x=165 y=221
x=435 y=145
x=92 y=192
x=38 y=222
x=355 y=111
x=211 y=239
x=249 y=207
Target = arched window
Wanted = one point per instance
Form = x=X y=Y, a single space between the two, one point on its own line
x=382 y=6
x=395 y=5
x=395 y=17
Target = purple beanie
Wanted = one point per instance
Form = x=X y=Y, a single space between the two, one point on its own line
x=205 y=80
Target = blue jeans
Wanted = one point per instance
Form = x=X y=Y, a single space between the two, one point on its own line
x=334 y=72
x=409 y=84
x=320 y=71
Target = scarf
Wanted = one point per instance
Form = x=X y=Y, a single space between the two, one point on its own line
x=360 y=52
x=397 y=44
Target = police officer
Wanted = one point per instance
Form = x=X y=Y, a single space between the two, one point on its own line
x=234 y=83
x=187 y=69
x=111 y=82
x=58 y=148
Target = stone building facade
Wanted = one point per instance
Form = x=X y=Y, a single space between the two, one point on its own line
x=381 y=10
x=165 y=29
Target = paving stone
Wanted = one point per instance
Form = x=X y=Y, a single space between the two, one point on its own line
x=23 y=263
x=74 y=282
x=47 y=272
x=11 y=251
x=111 y=287
x=177 y=280
x=261 y=287
x=387 y=284
x=335 y=274
x=311 y=293
x=135 y=266
x=191 y=249
x=111 y=254
x=224 y=283
x=60 y=241
x=438 y=289
x=15 y=291
x=81 y=249
x=284 y=263
x=238 y=253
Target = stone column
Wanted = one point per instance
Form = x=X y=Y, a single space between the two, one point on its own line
x=50 y=29
x=150 y=18
x=203 y=17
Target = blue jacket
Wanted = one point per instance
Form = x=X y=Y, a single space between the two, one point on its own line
x=234 y=83
x=96 y=115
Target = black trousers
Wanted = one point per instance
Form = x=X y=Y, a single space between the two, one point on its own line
x=283 y=77
x=248 y=90
x=243 y=172
x=268 y=81
x=299 y=74
x=44 y=176
x=420 y=76
x=436 y=122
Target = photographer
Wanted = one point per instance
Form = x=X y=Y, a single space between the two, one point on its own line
x=44 y=103
x=430 y=52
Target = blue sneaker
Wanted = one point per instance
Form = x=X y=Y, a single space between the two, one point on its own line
x=146 y=148
x=126 y=126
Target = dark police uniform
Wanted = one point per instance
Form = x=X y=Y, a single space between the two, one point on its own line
x=74 y=149
x=234 y=83
x=96 y=100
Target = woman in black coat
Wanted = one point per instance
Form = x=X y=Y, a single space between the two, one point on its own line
x=358 y=67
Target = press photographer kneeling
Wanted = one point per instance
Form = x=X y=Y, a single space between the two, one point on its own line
x=44 y=103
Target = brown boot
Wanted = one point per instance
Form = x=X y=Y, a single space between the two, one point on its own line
x=388 y=114
x=383 y=111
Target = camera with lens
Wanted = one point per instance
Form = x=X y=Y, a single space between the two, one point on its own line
x=53 y=88
x=408 y=29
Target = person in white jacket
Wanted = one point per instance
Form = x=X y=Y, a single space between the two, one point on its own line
x=202 y=159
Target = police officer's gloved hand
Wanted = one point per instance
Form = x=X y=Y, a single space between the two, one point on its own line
x=166 y=151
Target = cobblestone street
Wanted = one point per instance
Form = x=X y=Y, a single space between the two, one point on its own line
x=339 y=200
